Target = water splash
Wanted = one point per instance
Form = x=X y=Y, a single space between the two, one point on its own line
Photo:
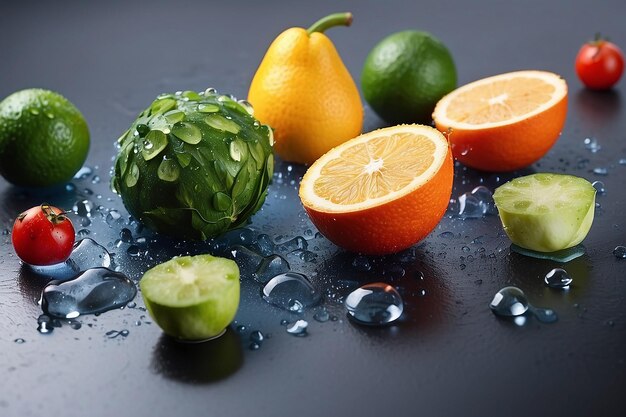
x=592 y=144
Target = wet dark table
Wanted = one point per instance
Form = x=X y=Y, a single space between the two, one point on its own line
x=448 y=355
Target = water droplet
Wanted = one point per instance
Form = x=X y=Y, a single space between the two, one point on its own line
x=297 y=242
x=76 y=325
x=83 y=208
x=114 y=218
x=168 y=170
x=142 y=129
x=44 y=324
x=257 y=337
x=93 y=291
x=622 y=161
x=247 y=260
x=286 y=289
x=19 y=340
x=558 y=278
x=238 y=150
x=265 y=245
x=592 y=144
x=270 y=267
x=133 y=251
x=210 y=91
x=322 y=316
x=126 y=235
x=304 y=255
x=298 y=328
x=246 y=106
x=295 y=306
x=601 y=171
x=187 y=132
x=241 y=328
x=112 y=334
x=132 y=176
x=599 y=186
x=509 y=301
x=620 y=252
x=374 y=304
x=83 y=173
x=153 y=144
x=270 y=133
x=476 y=204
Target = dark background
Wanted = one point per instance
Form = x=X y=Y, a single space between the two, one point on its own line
x=448 y=355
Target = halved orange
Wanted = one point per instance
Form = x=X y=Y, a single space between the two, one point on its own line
x=380 y=192
x=504 y=122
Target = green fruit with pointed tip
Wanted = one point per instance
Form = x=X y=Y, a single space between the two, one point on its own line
x=192 y=297
x=44 y=139
x=546 y=212
x=194 y=165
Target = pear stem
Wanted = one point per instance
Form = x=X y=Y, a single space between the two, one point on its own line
x=335 y=19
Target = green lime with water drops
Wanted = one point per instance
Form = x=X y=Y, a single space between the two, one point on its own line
x=44 y=139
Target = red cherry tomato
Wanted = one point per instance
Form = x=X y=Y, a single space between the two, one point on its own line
x=43 y=235
x=599 y=64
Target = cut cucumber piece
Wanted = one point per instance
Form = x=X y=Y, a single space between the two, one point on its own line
x=546 y=212
x=192 y=297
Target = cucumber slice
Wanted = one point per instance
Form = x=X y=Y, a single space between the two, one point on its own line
x=192 y=297
x=546 y=212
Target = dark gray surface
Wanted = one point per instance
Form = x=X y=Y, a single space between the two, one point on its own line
x=448 y=356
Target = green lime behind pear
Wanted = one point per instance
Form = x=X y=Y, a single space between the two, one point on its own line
x=406 y=74
x=194 y=165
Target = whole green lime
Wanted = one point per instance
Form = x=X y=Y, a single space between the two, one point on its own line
x=405 y=75
x=44 y=139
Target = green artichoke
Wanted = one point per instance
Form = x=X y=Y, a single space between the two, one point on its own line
x=194 y=165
